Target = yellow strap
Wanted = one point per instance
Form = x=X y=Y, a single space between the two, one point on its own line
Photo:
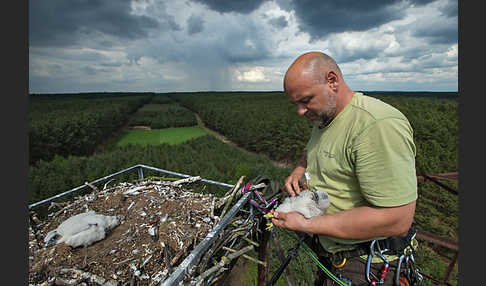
x=340 y=264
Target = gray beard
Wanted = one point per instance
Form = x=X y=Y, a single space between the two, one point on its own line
x=325 y=117
x=323 y=121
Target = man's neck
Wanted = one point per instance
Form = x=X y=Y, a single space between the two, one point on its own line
x=343 y=100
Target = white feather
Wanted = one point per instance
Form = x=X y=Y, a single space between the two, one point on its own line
x=305 y=204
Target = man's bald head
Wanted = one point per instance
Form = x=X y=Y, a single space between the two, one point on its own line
x=315 y=84
x=311 y=65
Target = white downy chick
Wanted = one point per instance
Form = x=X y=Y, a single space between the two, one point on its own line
x=82 y=229
x=305 y=203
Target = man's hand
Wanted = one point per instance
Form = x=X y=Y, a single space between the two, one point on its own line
x=291 y=220
x=292 y=182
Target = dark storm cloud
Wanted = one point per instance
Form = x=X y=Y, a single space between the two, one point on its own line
x=450 y=10
x=443 y=34
x=343 y=54
x=443 y=31
x=63 y=23
x=238 y=6
x=243 y=45
x=195 y=24
x=279 y=23
x=67 y=54
x=322 y=18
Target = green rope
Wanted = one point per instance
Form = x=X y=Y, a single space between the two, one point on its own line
x=316 y=260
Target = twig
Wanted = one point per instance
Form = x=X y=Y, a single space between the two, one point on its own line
x=82 y=276
x=145 y=261
x=237 y=186
x=231 y=196
x=123 y=261
x=221 y=270
x=231 y=193
x=222 y=263
x=67 y=282
x=167 y=258
x=251 y=241
x=106 y=184
x=53 y=215
x=186 y=180
x=212 y=207
x=56 y=204
x=246 y=256
x=92 y=187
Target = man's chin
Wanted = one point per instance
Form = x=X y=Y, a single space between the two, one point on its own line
x=321 y=122
x=316 y=122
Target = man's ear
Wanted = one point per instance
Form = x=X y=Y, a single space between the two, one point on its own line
x=333 y=80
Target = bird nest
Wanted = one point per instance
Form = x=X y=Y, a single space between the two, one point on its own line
x=160 y=223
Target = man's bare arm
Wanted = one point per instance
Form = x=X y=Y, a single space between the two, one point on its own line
x=357 y=223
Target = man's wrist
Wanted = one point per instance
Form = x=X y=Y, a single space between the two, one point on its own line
x=303 y=160
x=306 y=225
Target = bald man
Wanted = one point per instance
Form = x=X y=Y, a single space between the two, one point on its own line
x=361 y=152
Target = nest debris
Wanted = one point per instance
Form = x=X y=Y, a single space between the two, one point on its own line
x=160 y=223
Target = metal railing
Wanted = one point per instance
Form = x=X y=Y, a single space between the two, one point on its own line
x=139 y=169
x=436 y=239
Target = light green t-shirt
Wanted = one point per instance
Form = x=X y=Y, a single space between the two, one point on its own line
x=364 y=157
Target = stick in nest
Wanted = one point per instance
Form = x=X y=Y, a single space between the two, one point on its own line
x=224 y=261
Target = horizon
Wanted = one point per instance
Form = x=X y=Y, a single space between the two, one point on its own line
x=232 y=91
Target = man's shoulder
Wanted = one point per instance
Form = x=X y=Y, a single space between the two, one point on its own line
x=372 y=108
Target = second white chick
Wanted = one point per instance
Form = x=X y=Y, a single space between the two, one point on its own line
x=82 y=229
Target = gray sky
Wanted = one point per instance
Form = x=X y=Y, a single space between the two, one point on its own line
x=223 y=45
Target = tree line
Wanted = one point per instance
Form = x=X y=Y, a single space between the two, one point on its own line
x=161 y=112
x=267 y=123
x=75 y=125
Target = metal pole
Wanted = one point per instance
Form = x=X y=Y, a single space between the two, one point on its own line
x=186 y=176
x=58 y=196
x=140 y=173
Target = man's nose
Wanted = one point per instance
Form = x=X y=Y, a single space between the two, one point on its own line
x=301 y=109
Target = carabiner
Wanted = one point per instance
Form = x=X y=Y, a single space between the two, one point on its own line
x=415 y=270
x=399 y=266
x=368 y=262
x=384 y=270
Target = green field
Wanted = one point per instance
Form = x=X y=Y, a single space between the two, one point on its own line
x=158 y=136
